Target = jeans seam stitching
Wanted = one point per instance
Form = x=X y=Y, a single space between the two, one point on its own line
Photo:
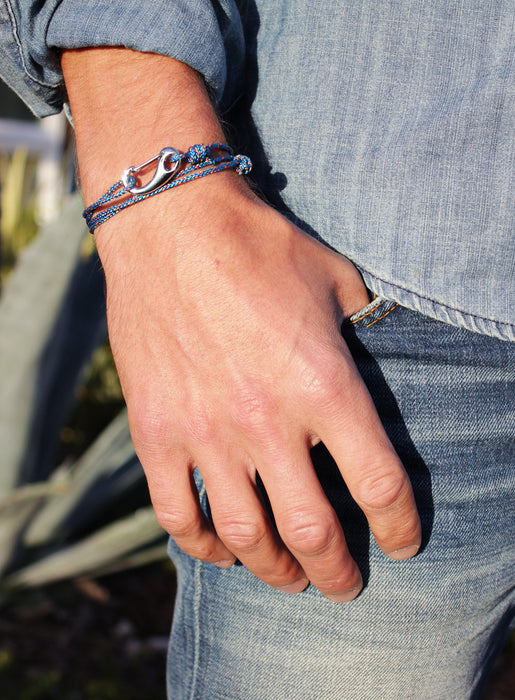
x=356 y=320
x=196 y=613
x=383 y=316
x=434 y=301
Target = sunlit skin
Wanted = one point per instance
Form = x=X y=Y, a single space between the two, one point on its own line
x=224 y=322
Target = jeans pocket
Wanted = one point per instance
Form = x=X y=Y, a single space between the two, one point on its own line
x=371 y=314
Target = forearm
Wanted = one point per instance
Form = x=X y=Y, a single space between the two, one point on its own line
x=127 y=106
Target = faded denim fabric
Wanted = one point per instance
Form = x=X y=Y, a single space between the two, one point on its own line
x=383 y=127
x=388 y=128
x=423 y=629
x=196 y=32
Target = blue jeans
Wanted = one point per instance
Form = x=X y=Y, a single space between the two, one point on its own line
x=426 y=628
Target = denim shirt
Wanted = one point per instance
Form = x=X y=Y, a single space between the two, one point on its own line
x=383 y=127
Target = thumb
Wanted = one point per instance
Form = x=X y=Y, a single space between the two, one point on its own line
x=350 y=290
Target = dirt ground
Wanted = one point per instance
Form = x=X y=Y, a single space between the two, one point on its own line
x=89 y=640
x=106 y=640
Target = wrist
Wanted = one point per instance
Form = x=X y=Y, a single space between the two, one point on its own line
x=197 y=215
x=170 y=169
x=127 y=106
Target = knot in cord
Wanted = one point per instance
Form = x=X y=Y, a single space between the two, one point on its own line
x=199 y=160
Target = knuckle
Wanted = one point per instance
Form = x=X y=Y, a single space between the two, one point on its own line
x=186 y=530
x=323 y=383
x=203 y=550
x=153 y=426
x=242 y=535
x=202 y=428
x=150 y=427
x=280 y=576
x=309 y=535
x=179 y=525
x=252 y=412
x=381 y=490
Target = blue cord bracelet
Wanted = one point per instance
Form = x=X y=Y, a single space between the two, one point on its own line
x=173 y=169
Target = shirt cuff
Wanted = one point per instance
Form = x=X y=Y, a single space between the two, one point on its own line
x=204 y=34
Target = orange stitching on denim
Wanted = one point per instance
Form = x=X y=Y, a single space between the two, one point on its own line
x=383 y=316
x=350 y=323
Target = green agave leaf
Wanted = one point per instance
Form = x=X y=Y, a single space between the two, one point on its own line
x=148 y=556
x=11 y=524
x=104 y=547
x=99 y=466
x=28 y=311
x=34 y=492
x=16 y=509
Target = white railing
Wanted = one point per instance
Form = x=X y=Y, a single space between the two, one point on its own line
x=45 y=140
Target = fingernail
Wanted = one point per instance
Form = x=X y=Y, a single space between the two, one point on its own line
x=405 y=552
x=224 y=563
x=345 y=597
x=295 y=587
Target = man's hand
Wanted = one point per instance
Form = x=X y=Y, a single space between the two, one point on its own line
x=224 y=322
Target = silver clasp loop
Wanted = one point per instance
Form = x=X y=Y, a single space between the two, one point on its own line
x=162 y=175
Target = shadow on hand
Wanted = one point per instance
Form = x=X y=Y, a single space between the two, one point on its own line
x=244 y=135
x=353 y=521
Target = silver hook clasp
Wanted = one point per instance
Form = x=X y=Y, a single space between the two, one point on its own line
x=162 y=175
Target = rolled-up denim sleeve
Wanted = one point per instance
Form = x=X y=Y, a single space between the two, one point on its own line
x=205 y=34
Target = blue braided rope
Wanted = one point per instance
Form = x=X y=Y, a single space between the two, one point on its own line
x=198 y=161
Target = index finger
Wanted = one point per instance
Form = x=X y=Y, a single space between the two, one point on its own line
x=350 y=428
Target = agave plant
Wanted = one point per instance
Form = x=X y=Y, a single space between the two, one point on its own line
x=77 y=519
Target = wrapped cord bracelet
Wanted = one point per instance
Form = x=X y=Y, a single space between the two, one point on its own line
x=173 y=169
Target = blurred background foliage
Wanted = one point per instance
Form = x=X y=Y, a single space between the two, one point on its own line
x=17 y=215
x=73 y=499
